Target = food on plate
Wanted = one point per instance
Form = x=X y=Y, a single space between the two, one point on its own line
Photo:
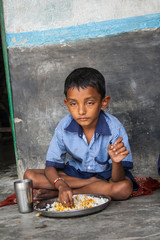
x=80 y=202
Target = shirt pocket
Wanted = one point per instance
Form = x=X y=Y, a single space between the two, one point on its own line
x=102 y=157
x=102 y=162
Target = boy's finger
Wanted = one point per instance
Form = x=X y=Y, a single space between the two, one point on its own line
x=120 y=150
x=118 y=146
x=71 y=199
x=110 y=147
x=65 y=203
x=68 y=202
x=125 y=152
x=118 y=141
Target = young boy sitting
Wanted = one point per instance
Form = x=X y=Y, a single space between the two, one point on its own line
x=99 y=152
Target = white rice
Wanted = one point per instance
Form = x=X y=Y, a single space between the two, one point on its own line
x=80 y=202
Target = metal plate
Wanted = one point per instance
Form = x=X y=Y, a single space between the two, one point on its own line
x=41 y=205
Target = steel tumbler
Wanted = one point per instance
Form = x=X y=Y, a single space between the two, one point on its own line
x=24 y=195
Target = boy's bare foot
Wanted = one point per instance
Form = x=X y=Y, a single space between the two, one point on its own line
x=42 y=194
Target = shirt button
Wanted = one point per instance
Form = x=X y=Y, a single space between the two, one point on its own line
x=89 y=150
x=89 y=167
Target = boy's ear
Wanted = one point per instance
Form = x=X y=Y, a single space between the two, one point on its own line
x=105 y=102
x=65 y=101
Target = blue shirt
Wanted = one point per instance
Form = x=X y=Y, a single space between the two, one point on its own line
x=93 y=157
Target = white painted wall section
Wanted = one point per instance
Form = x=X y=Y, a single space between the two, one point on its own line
x=39 y=15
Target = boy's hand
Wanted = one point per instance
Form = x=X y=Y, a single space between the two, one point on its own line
x=117 y=151
x=65 y=195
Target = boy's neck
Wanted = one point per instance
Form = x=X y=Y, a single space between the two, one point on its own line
x=89 y=132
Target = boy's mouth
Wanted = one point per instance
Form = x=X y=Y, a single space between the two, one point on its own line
x=82 y=119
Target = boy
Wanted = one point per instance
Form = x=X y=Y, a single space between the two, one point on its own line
x=97 y=143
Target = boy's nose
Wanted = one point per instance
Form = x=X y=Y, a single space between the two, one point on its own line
x=81 y=110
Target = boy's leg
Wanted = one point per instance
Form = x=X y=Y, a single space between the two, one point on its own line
x=38 y=178
x=46 y=189
x=40 y=181
x=116 y=190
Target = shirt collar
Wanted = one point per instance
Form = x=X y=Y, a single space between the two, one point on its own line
x=102 y=127
x=74 y=127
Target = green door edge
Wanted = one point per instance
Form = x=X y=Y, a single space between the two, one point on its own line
x=7 y=75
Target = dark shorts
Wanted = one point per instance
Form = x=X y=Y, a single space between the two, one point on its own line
x=106 y=175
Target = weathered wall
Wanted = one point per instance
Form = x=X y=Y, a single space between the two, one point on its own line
x=38 y=22
x=38 y=15
x=44 y=47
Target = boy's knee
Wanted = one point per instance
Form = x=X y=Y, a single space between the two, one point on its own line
x=123 y=191
x=126 y=189
x=28 y=174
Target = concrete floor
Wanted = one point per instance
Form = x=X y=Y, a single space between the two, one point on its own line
x=134 y=219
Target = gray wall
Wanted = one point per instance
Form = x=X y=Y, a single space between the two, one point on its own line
x=130 y=64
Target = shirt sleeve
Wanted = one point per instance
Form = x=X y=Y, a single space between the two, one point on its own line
x=127 y=162
x=56 y=152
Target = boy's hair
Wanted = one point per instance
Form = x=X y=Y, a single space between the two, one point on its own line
x=85 y=77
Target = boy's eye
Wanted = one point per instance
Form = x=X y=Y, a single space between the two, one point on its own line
x=90 y=103
x=73 y=104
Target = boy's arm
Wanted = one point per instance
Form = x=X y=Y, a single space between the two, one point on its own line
x=117 y=153
x=65 y=192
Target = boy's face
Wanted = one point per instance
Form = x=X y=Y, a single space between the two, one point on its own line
x=85 y=105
